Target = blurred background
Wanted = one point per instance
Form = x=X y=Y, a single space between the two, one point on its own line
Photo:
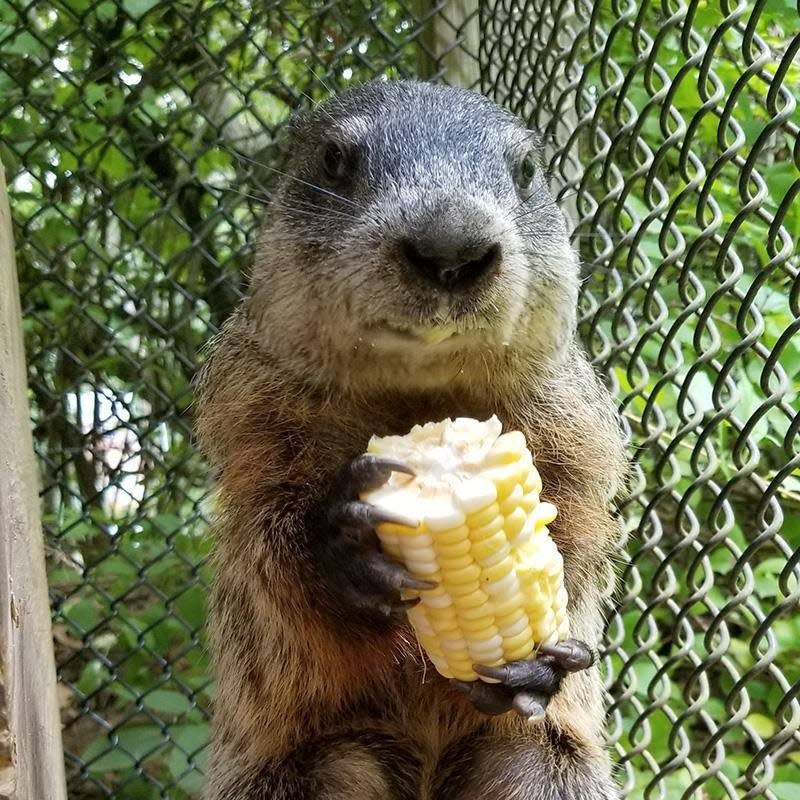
x=139 y=139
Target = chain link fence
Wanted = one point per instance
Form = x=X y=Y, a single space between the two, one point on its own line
x=139 y=137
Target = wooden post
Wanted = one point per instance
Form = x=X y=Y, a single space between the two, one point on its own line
x=28 y=666
x=455 y=21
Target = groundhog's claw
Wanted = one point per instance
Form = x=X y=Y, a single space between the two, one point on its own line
x=368 y=472
x=540 y=673
x=392 y=577
x=358 y=517
x=488 y=698
x=360 y=576
x=571 y=655
x=530 y=706
x=526 y=686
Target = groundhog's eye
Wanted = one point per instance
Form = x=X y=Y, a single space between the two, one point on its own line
x=334 y=161
x=526 y=171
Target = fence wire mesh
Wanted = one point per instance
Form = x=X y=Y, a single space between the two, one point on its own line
x=676 y=128
x=139 y=139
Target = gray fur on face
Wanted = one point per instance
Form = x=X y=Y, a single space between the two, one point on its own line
x=389 y=163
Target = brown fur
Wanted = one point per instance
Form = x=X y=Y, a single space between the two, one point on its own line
x=290 y=679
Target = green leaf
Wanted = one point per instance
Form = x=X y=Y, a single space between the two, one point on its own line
x=165 y=701
x=93 y=676
x=111 y=760
x=191 y=738
x=133 y=745
x=94 y=93
x=763 y=726
x=700 y=392
x=138 y=8
x=24 y=44
x=106 y=11
x=166 y=524
x=187 y=761
x=786 y=791
x=192 y=605
x=83 y=614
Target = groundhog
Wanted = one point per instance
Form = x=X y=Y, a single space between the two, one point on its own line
x=412 y=267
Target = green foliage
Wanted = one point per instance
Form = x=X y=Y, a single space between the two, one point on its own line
x=138 y=138
x=693 y=312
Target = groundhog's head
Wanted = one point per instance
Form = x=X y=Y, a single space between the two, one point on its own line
x=412 y=241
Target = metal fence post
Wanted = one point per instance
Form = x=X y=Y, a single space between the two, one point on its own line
x=27 y=648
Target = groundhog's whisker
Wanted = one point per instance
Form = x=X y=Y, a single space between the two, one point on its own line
x=320 y=211
x=291 y=177
x=556 y=201
x=311 y=214
x=318 y=106
x=528 y=211
x=325 y=86
x=602 y=236
x=319 y=189
x=233 y=190
x=544 y=235
x=307 y=208
x=517 y=206
x=520 y=206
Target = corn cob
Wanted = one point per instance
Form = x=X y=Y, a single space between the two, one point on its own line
x=474 y=524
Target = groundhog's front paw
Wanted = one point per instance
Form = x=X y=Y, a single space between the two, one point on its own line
x=527 y=686
x=359 y=576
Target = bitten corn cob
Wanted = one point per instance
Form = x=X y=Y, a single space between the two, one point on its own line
x=475 y=526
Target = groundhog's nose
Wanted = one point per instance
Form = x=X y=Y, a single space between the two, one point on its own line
x=450 y=262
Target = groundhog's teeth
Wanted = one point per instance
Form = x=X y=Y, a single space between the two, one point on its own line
x=478 y=528
x=437 y=334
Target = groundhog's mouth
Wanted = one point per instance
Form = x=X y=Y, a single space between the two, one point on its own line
x=396 y=332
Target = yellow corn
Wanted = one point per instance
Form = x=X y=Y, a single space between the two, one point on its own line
x=475 y=526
